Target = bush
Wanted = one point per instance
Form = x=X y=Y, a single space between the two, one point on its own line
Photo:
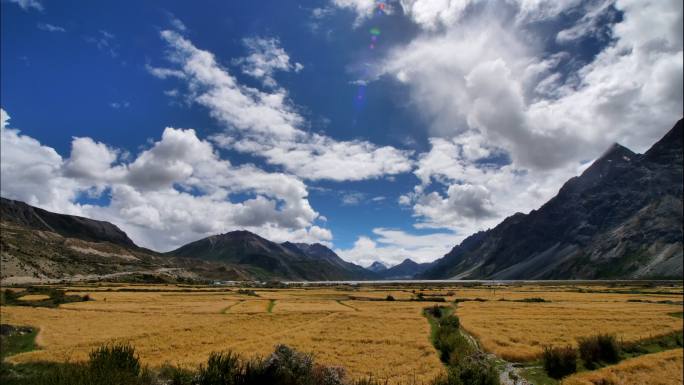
x=116 y=363
x=601 y=348
x=434 y=311
x=559 y=361
x=450 y=342
x=473 y=370
x=389 y=298
x=222 y=368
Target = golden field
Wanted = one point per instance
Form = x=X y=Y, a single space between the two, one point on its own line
x=664 y=368
x=341 y=326
x=518 y=331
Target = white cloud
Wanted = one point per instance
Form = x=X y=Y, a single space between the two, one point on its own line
x=176 y=191
x=431 y=14
x=32 y=172
x=266 y=124
x=392 y=246
x=487 y=89
x=50 y=27
x=264 y=59
x=28 y=4
x=363 y=8
x=592 y=22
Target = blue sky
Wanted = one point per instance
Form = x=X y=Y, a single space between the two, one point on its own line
x=386 y=130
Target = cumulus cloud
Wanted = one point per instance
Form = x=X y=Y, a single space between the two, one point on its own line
x=596 y=20
x=392 y=246
x=508 y=125
x=268 y=125
x=431 y=14
x=363 y=8
x=176 y=191
x=264 y=59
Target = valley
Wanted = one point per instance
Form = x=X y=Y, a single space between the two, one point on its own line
x=344 y=325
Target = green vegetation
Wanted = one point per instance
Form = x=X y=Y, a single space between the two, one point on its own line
x=271 y=304
x=16 y=339
x=251 y=293
x=559 y=361
x=55 y=298
x=526 y=300
x=599 y=349
x=652 y=345
x=595 y=352
x=117 y=364
x=459 y=300
x=466 y=365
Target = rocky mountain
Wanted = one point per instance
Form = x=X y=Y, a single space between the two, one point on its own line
x=282 y=261
x=377 y=267
x=69 y=226
x=622 y=218
x=407 y=269
x=39 y=246
x=316 y=250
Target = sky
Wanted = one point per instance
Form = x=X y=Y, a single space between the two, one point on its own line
x=384 y=130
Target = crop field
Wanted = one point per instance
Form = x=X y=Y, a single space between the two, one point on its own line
x=664 y=368
x=353 y=327
x=518 y=331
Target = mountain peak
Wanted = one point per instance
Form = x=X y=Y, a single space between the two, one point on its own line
x=669 y=148
x=617 y=157
x=377 y=266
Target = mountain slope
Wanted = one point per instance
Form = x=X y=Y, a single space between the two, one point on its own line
x=69 y=226
x=38 y=246
x=316 y=250
x=377 y=267
x=407 y=269
x=282 y=261
x=622 y=218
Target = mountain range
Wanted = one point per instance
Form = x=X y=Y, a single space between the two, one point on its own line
x=621 y=218
x=292 y=261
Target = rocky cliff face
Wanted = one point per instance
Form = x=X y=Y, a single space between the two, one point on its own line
x=622 y=218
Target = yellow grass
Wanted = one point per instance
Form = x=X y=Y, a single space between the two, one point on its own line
x=385 y=339
x=34 y=297
x=518 y=331
x=182 y=325
x=664 y=368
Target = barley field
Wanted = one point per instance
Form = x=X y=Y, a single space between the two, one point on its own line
x=352 y=327
x=664 y=368
x=518 y=331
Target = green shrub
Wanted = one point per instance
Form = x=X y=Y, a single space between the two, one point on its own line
x=601 y=348
x=559 y=361
x=290 y=366
x=532 y=300
x=450 y=323
x=450 y=342
x=434 y=311
x=116 y=362
x=473 y=370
